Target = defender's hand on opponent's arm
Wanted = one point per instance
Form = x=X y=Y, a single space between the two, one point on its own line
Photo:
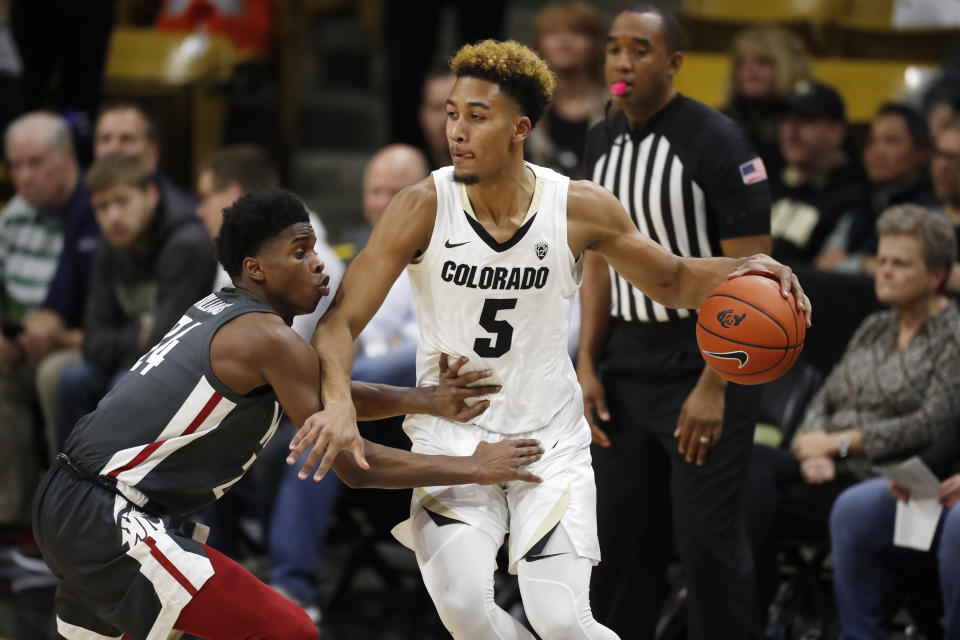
x=503 y=461
x=327 y=433
x=448 y=398
x=763 y=265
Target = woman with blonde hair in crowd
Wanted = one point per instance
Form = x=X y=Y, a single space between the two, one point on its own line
x=765 y=64
x=570 y=37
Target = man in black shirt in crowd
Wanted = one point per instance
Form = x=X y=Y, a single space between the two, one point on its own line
x=675 y=433
x=153 y=261
x=895 y=159
x=820 y=184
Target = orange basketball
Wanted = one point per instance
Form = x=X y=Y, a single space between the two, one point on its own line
x=748 y=333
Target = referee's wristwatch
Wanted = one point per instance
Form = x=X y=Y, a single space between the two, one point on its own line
x=843 y=446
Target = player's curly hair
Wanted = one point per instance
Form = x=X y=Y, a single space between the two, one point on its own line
x=517 y=70
x=252 y=221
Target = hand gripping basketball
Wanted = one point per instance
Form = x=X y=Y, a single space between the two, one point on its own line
x=748 y=332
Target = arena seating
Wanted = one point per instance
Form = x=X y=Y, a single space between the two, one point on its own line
x=179 y=78
x=864 y=84
x=851 y=28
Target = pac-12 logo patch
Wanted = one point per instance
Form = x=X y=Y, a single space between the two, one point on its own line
x=541 y=249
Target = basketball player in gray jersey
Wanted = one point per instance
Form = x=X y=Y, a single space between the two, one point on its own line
x=494 y=250
x=186 y=422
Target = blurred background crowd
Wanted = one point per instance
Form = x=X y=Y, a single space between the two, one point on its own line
x=130 y=124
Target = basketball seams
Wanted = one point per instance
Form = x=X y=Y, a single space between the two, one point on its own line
x=746 y=344
x=764 y=292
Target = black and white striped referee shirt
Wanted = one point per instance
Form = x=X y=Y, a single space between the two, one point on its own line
x=688 y=178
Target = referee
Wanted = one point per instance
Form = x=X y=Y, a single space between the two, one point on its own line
x=673 y=439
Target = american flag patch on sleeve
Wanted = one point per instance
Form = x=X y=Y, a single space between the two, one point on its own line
x=753 y=171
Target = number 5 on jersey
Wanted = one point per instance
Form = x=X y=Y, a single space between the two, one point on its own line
x=503 y=330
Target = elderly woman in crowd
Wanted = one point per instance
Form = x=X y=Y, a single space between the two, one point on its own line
x=892 y=393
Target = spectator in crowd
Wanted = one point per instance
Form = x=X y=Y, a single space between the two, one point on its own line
x=124 y=127
x=766 y=63
x=388 y=344
x=153 y=261
x=895 y=158
x=892 y=393
x=672 y=439
x=235 y=171
x=945 y=169
x=945 y=173
x=432 y=115
x=941 y=102
x=870 y=574
x=819 y=184
x=570 y=37
x=49 y=212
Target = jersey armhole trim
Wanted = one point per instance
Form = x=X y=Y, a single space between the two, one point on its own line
x=207 y=364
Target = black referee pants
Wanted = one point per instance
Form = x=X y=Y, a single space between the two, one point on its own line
x=649 y=497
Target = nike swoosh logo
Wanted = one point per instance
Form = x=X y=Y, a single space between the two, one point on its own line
x=541 y=557
x=739 y=356
x=448 y=245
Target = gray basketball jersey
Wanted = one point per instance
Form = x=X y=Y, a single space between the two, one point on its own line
x=170 y=432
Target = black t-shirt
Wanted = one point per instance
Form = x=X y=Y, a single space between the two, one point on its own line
x=804 y=215
x=688 y=178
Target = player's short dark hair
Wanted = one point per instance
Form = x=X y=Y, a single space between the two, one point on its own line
x=246 y=164
x=150 y=128
x=916 y=123
x=253 y=220
x=672 y=33
x=517 y=70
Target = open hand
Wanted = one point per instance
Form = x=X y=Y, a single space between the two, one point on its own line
x=327 y=433
x=763 y=265
x=448 y=398
x=502 y=461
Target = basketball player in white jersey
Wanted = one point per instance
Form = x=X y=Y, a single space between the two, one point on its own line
x=494 y=249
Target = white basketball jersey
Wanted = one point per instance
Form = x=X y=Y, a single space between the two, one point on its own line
x=506 y=306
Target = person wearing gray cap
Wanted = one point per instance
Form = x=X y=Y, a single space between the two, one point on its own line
x=819 y=184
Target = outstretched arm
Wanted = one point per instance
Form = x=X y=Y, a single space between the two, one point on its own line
x=255 y=349
x=597 y=221
x=401 y=234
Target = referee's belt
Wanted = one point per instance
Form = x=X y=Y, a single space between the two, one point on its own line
x=124 y=491
x=682 y=327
